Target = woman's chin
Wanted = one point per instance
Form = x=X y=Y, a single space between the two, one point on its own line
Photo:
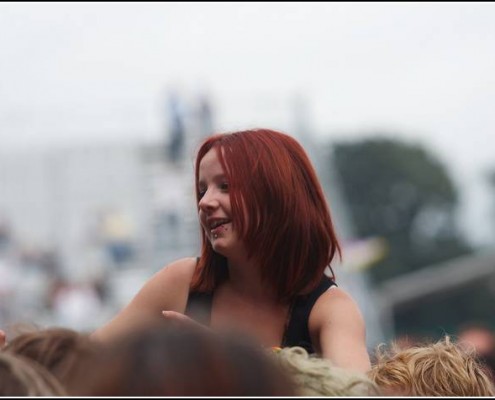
x=218 y=247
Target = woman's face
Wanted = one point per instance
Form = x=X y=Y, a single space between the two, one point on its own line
x=215 y=211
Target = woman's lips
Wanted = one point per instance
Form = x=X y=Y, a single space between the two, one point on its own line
x=219 y=229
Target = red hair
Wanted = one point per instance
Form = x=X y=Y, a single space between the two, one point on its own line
x=289 y=231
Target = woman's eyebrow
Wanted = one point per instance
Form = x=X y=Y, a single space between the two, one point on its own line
x=214 y=178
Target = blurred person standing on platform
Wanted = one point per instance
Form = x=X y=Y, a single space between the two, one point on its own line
x=481 y=339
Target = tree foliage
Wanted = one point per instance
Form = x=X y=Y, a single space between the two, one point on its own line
x=401 y=192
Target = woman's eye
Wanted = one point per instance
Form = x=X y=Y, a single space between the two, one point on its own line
x=224 y=186
x=201 y=193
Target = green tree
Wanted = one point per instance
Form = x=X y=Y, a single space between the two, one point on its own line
x=491 y=183
x=402 y=193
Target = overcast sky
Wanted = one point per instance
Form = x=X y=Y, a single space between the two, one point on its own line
x=423 y=71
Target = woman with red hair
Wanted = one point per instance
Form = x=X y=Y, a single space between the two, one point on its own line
x=267 y=240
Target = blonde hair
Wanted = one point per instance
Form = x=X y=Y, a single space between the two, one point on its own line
x=20 y=376
x=315 y=376
x=60 y=350
x=437 y=369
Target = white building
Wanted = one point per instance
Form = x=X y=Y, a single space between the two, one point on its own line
x=58 y=198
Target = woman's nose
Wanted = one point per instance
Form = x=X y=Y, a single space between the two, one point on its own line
x=208 y=201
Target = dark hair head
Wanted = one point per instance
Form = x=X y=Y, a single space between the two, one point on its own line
x=183 y=361
x=289 y=232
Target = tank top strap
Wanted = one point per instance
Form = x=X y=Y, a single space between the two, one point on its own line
x=297 y=330
x=199 y=307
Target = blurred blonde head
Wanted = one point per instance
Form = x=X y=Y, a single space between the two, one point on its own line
x=437 y=369
x=315 y=376
x=60 y=350
x=21 y=376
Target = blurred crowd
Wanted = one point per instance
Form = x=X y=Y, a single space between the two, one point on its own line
x=185 y=360
x=35 y=286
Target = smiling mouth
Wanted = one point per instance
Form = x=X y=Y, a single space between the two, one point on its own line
x=218 y=226
x=219 y=222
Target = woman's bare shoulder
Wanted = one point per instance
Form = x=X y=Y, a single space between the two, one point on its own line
x=181 y=270
x=335 y=309
x=170 y=284
x=337 y=328
x=167 y=290
x=335 y=301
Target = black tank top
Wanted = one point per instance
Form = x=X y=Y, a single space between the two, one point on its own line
x=296 y=331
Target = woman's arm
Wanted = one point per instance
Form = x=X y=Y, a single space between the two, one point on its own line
x=166 y=290
x=338 y=331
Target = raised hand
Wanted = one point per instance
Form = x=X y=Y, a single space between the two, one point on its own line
x=3 y=339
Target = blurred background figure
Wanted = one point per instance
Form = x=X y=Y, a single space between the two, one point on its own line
x=117 y=236
x=441 y=368
x=20 y=376
x=5 y=234
x=204 y=115
x=182 y=361
x=176 y=126
x=315 y=376
x=9 y=275
x=73 y=303
x=481 y=338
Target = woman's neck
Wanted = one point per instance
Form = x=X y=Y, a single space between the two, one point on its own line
x=245 y=280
